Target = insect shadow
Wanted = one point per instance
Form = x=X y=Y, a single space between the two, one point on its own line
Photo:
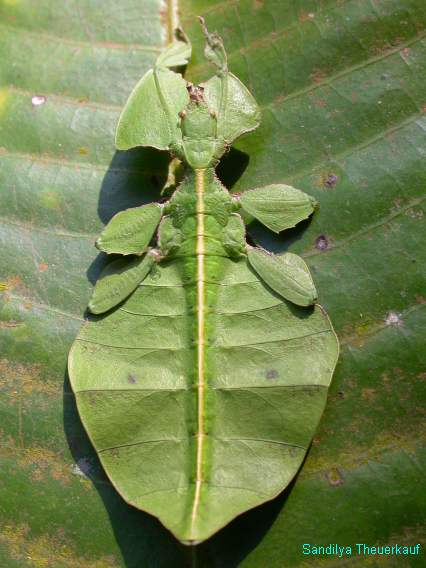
x=134 y=178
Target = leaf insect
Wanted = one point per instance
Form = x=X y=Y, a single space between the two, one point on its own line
x=203 y=377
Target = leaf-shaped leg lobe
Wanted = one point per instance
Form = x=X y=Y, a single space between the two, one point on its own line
x=130 y=231
x=118 y=280
x=287 y=274
x=278 y=206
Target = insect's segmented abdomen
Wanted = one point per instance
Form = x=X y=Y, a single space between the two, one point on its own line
x=201 y=252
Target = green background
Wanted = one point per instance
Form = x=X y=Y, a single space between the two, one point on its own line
x=342 y=88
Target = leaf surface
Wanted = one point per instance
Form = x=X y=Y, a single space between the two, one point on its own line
x=341 y=96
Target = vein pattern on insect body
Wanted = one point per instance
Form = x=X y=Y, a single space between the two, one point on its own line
x=201 y=227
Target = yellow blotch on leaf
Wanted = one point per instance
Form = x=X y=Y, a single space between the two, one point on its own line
x=50 y=199
x=4 y=96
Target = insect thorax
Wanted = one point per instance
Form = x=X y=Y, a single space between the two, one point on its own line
x=223 y=232
x=200 y=144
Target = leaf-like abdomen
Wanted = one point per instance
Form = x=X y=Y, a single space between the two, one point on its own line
x=267 y=368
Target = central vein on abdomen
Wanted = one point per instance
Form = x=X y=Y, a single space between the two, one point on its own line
x=200 y=330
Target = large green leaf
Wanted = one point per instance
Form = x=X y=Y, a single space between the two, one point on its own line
x=342 y=89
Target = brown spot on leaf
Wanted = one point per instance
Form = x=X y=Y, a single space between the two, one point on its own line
x=41 y=463
x=279 y=99
x=398 y=202
x=317 y=76
x=414 y=213
x=368 y=394
x=330 y=180
x=10 y=324
x=322 y=242
x=271 y=374
x=26 y=380
x=320 y=103
x=306 y=16
x=131 y=378
x=11 y=283
x=334 y=477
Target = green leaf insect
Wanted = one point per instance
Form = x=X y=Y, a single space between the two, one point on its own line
x=203 y=379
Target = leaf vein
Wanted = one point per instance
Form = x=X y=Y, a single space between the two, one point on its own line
x=355 y=148
x=369 y=229
x=44 y=306
x=47 y=37
x=48 y=231
x=331 y=78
